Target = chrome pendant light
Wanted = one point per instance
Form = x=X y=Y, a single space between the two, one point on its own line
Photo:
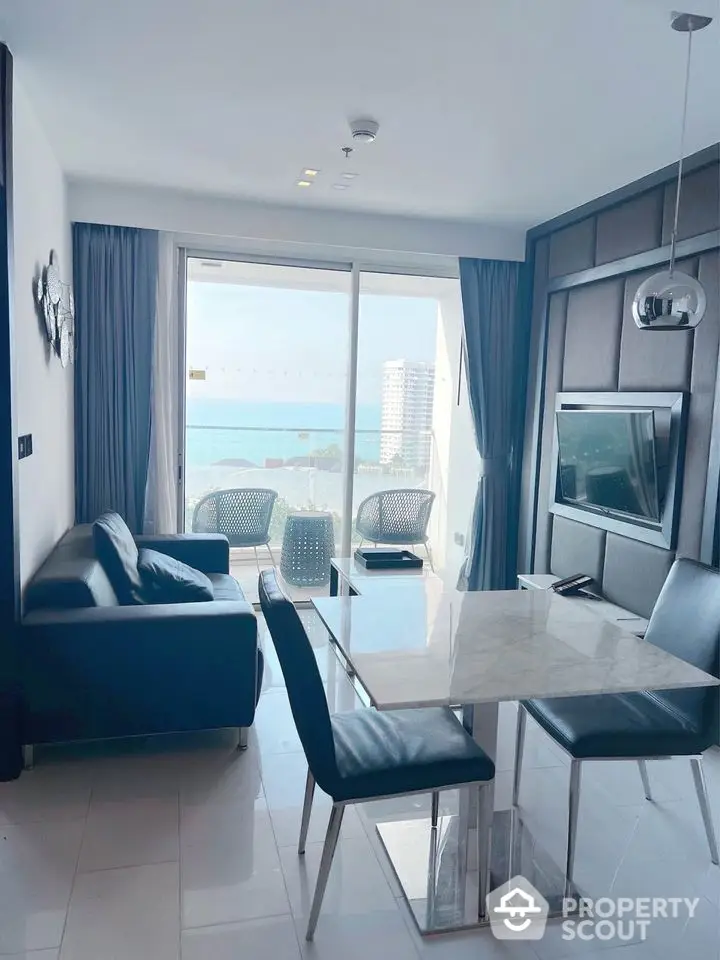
x=671 y=299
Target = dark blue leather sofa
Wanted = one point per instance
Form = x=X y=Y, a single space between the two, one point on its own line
x=92 y=669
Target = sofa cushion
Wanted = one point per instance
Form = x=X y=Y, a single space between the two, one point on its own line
x=167 y=580
x=116 y=551
x=225 y=587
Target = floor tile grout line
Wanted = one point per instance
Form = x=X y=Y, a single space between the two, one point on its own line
x=232 y=923
x=77 y=864
x=279 y=860
x=124 y=866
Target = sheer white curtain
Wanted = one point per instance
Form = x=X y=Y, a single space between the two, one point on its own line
x=161 y=495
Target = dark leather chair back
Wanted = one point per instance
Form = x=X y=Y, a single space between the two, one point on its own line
x=686 y=622
x=302 y=677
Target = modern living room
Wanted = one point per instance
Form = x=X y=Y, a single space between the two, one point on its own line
x=284 y=285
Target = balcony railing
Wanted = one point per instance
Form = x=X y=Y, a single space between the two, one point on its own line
x=303 y=464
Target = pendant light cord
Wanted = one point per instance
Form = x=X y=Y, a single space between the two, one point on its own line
x=673 y=238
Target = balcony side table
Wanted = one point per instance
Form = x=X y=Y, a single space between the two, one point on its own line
x=308 y=545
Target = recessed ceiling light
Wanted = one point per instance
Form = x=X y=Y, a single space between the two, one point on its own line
x=341 y=186
x=304 y=183
x=310 y=172
x=348 y=176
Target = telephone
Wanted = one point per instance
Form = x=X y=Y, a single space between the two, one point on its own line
x=572 y=586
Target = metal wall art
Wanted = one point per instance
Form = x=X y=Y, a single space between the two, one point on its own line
x=56 y=307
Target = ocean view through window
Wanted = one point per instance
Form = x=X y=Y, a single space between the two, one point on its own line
x=266 y=387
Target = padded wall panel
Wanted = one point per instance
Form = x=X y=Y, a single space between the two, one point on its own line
x=634 y=573
x=699 y=204
x=572 y=249
x=577 y=548
x=631 y=228
x=592 y=336
x=657 y=360
x=700 y=412
x=557 y=312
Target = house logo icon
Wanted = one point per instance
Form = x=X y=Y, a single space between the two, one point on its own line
x=517 y=911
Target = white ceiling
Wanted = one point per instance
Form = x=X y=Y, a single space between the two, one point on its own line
x=503 y=111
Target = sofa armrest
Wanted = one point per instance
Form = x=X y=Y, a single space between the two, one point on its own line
x=208 y=552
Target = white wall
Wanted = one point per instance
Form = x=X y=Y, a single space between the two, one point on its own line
x=455 y=467
x=398 y=241
x=43 y=390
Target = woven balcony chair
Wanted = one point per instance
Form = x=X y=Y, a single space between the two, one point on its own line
x=243 y=515
x=398 y=517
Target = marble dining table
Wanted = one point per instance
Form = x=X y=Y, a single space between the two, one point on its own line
x=413 y=643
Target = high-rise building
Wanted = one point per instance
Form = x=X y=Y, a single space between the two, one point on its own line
x=407 y=409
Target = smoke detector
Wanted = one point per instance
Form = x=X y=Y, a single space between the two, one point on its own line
x=365 y=130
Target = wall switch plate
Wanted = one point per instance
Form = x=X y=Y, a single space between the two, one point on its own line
x=460 y=539
x=25 y=447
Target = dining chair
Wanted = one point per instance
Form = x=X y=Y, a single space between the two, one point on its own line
x=398 y=516
x=651 y=725
x=369 y=754
x=243 y=514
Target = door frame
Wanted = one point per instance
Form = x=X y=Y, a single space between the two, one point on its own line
x=355 y=268
x=10 y=679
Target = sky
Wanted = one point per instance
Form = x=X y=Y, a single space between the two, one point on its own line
x=265 y=344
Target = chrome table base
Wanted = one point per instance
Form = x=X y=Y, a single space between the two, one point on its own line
x=439 y=879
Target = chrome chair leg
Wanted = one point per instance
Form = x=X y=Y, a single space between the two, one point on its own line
x=435 y=806
x=642 y=766
x=519 y=748
x=257 y=559
x=272 y=556
x=331 y=839
x=428 y=551
x=701 y=788
x=243 y=738
x=573 y=808
x=307 y=810
x=484 y=839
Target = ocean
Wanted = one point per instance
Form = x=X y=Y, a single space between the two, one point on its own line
x=258 y=432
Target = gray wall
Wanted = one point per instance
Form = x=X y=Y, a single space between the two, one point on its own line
x=584 y=339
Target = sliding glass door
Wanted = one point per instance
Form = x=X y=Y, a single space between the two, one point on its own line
x=275 y=357
x=409 y=402
x=266 y=367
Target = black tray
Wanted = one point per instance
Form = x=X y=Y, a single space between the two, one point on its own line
x=374 y=558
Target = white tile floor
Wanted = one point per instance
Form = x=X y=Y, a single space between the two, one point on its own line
x=244 y=568
x=182 y=847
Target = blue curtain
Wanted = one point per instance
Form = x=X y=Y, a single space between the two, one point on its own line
x=496 y=335
x=115 y=276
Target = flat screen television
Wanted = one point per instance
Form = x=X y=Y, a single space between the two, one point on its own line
x=608 y=462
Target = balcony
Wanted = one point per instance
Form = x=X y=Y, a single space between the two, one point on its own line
x=306 y=471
